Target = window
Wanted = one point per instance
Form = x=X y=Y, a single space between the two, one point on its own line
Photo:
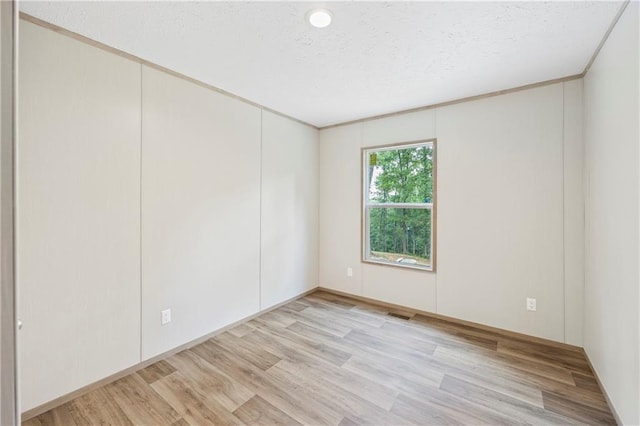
x=399 y=204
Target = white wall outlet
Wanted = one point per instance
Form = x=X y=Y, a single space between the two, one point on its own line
x=165 y=317
x=349 y=272
x=531 y=304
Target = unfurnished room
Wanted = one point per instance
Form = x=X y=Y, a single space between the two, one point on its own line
x=319 y=213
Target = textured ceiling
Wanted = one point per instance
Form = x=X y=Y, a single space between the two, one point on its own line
x=374 y=59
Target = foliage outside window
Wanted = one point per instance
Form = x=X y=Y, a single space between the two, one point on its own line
x=398 y=207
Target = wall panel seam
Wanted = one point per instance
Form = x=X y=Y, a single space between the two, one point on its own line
x=140 y=212
x=260 y=214
x=564 y=227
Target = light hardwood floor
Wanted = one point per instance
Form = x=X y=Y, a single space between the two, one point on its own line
x=331 y=360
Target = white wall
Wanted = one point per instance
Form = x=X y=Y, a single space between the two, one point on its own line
x=612 y=324
x=340 y=208
x=8 y=397
x=500 y=223
x=289 y=243
x=500 y=211
x=573 y=160
x=78 y=247
x=200 y=210
x=340 y=218
x=139 y=191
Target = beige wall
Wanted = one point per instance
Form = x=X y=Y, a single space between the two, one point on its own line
x=500 y=211
x=289 y=225
x=502 y=188
x=200 y=210
x=8 y=397
x=78 y=248
x=138 y=192
x=612 y=322
x=573 y=172
x=340 y=212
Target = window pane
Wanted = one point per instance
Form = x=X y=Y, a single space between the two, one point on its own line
x=401 y=175
x=400 y=236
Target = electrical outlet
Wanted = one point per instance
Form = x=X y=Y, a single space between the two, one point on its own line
x=165 y=317
x=349 y=272
x=531 y=304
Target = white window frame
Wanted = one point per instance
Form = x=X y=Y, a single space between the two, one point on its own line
x=367 y=206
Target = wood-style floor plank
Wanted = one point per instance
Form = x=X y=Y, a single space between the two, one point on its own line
x=327 y=359
x=257 y=411
x=487 y=377
x=59 y=416
x=277 y=318
x=434 y=407
x=368 y=319
x=336 y=398
x=98 y=408
x=192 y=405
x=571 y=408
x=377 y=365
x=587 y=382
x=293 y=399
x=515 y=366
x=448 y=337
x=395 y=375
x=140 y=403
x=241 y=329
x=546 y=355
x=250 y=353
x=205 y=378
x=156 y=371
x=334 y=378
x=518 y=410
x=332 y=327
x=301 y=344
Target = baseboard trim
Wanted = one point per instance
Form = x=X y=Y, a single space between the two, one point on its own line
x=36 y=411
x=506 y=333
x=603 y=390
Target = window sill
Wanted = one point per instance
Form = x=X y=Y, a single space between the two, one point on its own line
x=431 y=268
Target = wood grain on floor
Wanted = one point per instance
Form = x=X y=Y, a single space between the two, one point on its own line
x=331 y=360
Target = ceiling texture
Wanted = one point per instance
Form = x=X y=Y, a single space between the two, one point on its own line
x=375 y=58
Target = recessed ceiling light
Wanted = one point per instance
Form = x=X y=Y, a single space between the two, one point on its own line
x=319 y=18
